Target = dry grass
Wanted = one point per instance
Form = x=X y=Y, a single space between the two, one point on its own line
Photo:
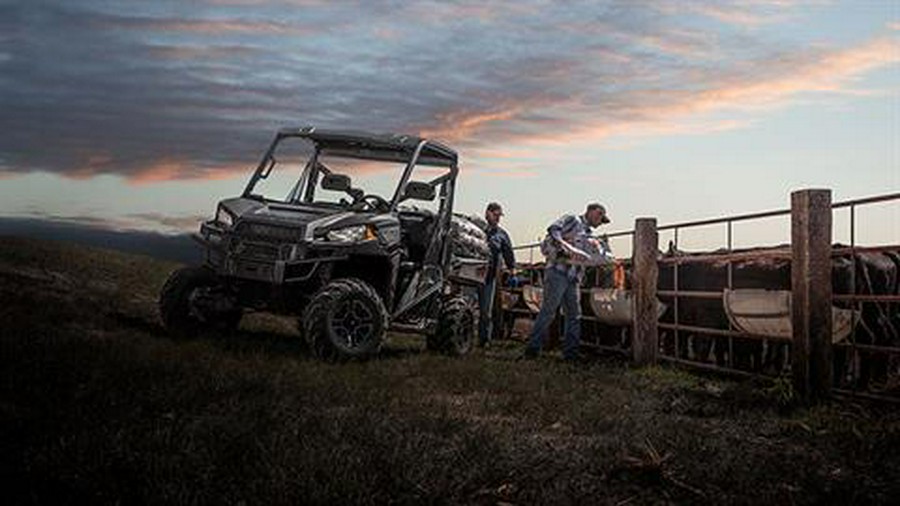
x=98 y=404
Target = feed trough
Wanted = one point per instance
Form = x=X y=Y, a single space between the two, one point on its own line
x=768 y=312
x=613 y=306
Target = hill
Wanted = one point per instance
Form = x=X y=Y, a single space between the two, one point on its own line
x=98 y=404
x=177 y=247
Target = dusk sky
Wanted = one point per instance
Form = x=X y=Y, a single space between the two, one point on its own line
x=144 y=114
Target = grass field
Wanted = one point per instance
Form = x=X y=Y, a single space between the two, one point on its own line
x=98 y=405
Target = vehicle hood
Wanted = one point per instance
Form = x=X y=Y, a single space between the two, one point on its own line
x=273 y=212
x=311 y=219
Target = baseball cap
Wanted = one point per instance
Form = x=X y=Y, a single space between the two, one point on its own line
x=594 y=205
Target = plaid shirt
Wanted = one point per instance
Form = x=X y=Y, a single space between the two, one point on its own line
x=501 y=246
x=574 y=230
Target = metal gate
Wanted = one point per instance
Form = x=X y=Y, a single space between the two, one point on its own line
x=750 y=320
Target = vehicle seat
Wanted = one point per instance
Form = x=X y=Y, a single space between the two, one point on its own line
x=415 y=232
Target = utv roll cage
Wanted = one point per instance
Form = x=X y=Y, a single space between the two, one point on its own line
x=406 y=149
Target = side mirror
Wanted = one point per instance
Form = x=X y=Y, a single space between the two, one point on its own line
x=336 y=182
x=418 y=190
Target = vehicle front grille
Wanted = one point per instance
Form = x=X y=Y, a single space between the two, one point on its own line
x=257 y=251
x=269 y=232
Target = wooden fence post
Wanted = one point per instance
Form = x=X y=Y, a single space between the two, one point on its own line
x=645 y=337
x=811 y=356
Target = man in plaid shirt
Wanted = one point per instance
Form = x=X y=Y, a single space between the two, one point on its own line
x=567 y=238
x=501 y=247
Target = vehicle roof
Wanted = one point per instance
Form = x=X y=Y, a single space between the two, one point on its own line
x=374 y=146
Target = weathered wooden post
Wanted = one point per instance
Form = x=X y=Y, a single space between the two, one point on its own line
x=811 y=361
x=645 y=337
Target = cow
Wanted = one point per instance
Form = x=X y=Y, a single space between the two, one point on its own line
x=879 y=323
x=875 y=273
x=768 y=272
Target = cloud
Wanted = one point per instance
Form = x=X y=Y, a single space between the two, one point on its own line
x=167 y=90
x=199 y=53
x=167 y=169
x=509 y=173
x=459 y=125
x=200 y=26
x=764 y=83
x=745 y=14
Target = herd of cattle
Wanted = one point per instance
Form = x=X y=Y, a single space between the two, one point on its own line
x=765 y=270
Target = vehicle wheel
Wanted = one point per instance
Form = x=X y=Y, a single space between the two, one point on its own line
x=455 y=333
x=346 y=319
x=191 y=303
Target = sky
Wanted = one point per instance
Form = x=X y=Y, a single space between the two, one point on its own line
x=127 y=114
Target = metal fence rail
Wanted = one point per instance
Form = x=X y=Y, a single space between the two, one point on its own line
x=712 y=348
x=852 y=374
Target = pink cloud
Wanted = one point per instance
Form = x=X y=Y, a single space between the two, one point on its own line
x=734 y=16
x=198 y=52
x=742 y=13
x=483 y=12
x=609 y=79
x=208 y=26
x=457 y=125
x=822 y=72
x=164 y=169
x=676 y=42
x=171 y=169
x=759 y=86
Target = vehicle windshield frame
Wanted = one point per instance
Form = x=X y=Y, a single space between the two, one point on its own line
x=378 y=151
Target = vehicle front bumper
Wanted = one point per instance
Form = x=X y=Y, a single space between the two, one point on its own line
x=243 y=258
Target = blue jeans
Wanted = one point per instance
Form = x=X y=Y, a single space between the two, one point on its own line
x=486 y=323
x=559 y=290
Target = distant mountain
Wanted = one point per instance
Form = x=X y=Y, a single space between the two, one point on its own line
x=180 y=247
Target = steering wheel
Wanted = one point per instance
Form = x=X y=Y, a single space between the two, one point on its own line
x=373 y=202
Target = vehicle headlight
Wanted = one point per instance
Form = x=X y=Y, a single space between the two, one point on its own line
x=355 y=233
x=224 y=217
